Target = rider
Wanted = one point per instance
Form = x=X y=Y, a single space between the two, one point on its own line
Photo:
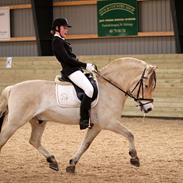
x=72 y=67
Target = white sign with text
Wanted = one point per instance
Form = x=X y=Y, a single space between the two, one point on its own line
x=4 y=23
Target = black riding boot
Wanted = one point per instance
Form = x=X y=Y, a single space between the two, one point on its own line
x=84 y=112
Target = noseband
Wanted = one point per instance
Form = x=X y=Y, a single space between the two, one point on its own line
x=139 y=85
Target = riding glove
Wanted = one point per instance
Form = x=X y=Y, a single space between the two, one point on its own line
x=91 y=67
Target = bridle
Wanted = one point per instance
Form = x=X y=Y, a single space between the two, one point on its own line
x=139 y=85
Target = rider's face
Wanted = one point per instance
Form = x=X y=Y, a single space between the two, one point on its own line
x=64 y=31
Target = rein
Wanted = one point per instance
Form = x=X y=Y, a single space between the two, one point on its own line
x=139 y=84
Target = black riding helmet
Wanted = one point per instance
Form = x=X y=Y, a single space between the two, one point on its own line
x=60 y=22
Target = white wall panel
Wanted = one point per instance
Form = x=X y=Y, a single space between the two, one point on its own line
x=154 y=15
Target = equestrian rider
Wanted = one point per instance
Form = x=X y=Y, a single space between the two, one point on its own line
x=72 y=67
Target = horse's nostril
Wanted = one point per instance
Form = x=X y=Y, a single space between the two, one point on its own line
x=149 y=109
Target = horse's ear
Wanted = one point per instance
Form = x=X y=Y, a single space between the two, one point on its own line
x=152 y=68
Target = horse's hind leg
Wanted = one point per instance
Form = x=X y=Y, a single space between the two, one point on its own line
x=118 y=128
x=10 y=125
x=6 y=133
x=35 y=140
x=90 y=136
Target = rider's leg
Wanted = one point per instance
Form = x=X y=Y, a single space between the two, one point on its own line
x=82 y=81
x=85 y=112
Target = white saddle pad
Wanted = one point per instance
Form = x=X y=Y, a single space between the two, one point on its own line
x=66 y=96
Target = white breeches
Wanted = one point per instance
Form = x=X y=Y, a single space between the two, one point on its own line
x=82 y=81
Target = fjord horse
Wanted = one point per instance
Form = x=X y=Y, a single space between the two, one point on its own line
x=35 y=101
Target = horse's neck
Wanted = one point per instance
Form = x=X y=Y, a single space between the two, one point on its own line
x=124 y=72
x=110 y=96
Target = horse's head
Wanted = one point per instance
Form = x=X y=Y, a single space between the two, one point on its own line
x=142 y=89
x=133 y=77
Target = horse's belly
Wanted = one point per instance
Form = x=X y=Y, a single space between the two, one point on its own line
x=62 y=115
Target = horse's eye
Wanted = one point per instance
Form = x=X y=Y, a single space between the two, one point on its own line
x=146 y=86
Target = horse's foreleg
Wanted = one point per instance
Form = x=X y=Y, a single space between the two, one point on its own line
x=35 y=140
x=90 y=136
x=119 y=129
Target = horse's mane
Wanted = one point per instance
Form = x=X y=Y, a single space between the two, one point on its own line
x=121 y=62
x=125 y=63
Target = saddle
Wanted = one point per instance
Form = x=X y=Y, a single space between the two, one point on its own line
x=65 y=95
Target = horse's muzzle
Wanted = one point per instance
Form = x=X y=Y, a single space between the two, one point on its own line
x=148 y=110
x=146 y=107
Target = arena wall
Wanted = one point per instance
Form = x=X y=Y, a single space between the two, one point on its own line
x=156 y=34
x=168 y=98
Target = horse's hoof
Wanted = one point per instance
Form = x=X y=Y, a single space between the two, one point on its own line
x=70 y=169
x=135 y=161
x=52 y=163
x=54 y=166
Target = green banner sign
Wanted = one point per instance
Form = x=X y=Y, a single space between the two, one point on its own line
x=117 y=17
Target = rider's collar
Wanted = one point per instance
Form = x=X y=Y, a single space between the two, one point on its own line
x=58 y=35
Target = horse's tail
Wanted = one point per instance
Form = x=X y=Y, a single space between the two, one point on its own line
x=4 y=104
x=1 y=121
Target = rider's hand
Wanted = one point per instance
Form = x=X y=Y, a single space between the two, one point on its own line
x=91 y=67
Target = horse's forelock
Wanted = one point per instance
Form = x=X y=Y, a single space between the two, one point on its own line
x=151 y=74
x=153 y=79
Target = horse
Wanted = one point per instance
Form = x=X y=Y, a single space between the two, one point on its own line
x=34 y=101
